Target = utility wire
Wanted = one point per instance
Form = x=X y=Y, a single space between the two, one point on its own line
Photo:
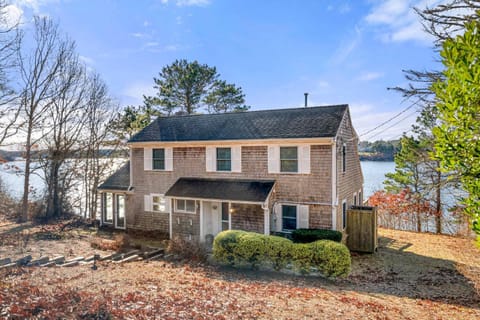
x=392 y=118
x=393 y=125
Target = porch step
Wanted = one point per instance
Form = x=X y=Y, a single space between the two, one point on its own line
x=5 y=261
x=23 y=261
x=39 y=261
x=149 y=254
x=130 y=258
x=156 y=257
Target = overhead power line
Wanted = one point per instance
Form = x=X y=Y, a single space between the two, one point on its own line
x=392 y=118
x=393 y=125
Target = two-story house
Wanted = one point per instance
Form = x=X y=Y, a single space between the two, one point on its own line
x=263 y=171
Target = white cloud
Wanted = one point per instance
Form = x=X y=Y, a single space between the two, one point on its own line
x=12 y=16
x=323 y=84
x=139 y=35
x=398 y=22
x=151 y=44
x=188 y=3
x=146 y=23
x=87 y=60
x=345 y=49
x=369 y=76
x=135 y=91
x=171 y=47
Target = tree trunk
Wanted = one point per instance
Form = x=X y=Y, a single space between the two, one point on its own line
x=438 y=206
x=26 y=184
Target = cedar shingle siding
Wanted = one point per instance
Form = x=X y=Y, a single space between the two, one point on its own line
x=331 y=125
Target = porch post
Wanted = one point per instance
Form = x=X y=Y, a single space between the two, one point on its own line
x=201 y=222
x=266 y=218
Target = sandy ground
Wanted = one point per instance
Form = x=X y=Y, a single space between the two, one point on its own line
x=412 y=276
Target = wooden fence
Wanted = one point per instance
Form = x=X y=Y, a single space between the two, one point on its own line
x=362 y=231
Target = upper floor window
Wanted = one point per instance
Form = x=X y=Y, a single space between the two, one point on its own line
x=224 y=159
x=288 y=159
x=158 y=159
x=344 y=157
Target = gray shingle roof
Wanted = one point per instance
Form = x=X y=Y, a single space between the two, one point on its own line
x=311 y=122
x=119 y=180
x=221 y=189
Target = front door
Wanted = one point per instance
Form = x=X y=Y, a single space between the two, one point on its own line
x=216 y=217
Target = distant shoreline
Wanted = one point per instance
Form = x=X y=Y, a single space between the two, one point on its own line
x=376 y=157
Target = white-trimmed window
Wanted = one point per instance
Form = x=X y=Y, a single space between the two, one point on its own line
x=360 y=200
x=288 y=159
x=344 y=214
x=289 y=218
x=108 y=207
x=224 y=159
x=355 y=199
x=344 y=157
x=159 y=203
x=225 y=216
x=185 y=205
x=158 y=159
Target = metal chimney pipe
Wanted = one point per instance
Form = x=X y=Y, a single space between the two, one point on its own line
x=306 y=99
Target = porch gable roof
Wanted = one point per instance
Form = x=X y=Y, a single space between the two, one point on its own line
x=222 y=189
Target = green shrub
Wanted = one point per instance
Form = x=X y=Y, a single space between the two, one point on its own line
x=224 y=246
x=302 y=256
x=250 y=249
x=331 y=259
x=241 y=248
x=312 y=235
x=278 y=251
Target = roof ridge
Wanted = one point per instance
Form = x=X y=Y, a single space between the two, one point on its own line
x=251 y=111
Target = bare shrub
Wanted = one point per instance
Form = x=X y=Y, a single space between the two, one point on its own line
x=187 y=249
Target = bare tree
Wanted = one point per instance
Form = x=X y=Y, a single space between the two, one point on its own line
x=39 y=70
x=10 y=40
x=66 y=118
x=101 y=111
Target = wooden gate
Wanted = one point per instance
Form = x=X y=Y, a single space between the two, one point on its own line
x=362 y=229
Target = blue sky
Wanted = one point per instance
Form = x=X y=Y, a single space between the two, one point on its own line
x=338 y=51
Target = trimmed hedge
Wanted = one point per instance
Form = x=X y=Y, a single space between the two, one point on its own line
x=240 y=248
x=312 y=235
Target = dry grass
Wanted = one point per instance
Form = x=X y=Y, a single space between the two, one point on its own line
x=413 y=276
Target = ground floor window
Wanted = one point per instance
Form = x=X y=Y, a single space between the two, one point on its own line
x=289 y=217
x=159 y=203
x=225 y=216
x=120 y=222
x=344 y=213
x=185 y=205
x=108 y=207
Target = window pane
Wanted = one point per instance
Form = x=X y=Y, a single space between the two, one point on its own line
x=158 y=153
x=109 y=207
x=224 y=226
x=181 y=205
x=158 y=164
x=158 y=159
x=224 y=153
x=289 y=217
x=225 y=211
x=288 y=153
x=224 y=162
x=224 y=165
x=190 y=205
x=289 y=224
x=288 y=166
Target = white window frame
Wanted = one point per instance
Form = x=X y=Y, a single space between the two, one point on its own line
x=355 y=199
x=185 y=210
x=344 y=158
x=104 y=207
x=216 y=159
x=117 y=210
x=164 y=160
x=291 y=218
x=303 y=159
x=165 y=203
x=280 y=160
x=148 y=159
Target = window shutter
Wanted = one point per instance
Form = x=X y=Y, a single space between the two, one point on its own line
x=210 y=158
x=273 y=159
x=278 y=217
x=302 y=217
x=147 y=159
x=148 y=202
x=304 y=159
x=237 y=159
x=168 y=159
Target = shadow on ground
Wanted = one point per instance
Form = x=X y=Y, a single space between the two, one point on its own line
x=390 y=271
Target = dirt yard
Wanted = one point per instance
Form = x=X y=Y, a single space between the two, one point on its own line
x=412 y=276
